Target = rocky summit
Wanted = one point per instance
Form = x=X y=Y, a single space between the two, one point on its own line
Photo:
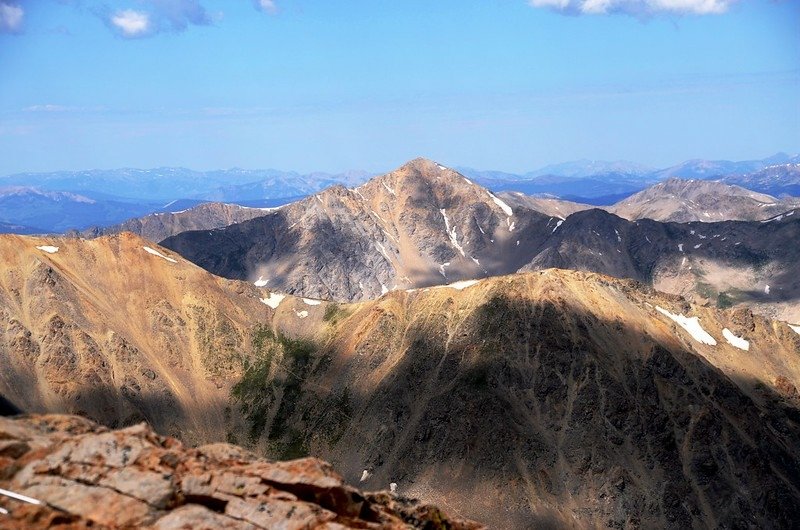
x=82 y=475
x=420 y=225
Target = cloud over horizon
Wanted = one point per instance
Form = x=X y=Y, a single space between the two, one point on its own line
x=11 y=16
x=158 y=16
x=635 y=7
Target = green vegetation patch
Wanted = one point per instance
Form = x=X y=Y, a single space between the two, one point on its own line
x=271 y=388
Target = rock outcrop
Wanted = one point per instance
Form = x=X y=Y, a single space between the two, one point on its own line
x=86 y=476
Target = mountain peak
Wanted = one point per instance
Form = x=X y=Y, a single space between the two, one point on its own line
x=421 y=165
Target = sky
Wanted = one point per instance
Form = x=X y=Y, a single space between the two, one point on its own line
x=320 y=85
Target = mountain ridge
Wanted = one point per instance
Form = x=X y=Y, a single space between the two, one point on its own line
x=425 y=224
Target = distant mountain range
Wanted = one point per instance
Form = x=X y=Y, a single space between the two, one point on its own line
x=165 y=184
x=61 y=201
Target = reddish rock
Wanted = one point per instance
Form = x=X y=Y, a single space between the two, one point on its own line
x=89 y=477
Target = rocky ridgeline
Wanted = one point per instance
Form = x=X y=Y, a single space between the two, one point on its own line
x=87 y=476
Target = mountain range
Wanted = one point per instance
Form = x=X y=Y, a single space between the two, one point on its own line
x=57 y=202
x=425 y=224
x=554 y=397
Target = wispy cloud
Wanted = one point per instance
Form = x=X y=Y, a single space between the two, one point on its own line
x=11 y=16
x=157 y=16
x=635 y=7
x=55 y=109
x=267 y=6
x=47 y=108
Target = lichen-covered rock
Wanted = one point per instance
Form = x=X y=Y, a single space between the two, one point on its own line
x=87 y=476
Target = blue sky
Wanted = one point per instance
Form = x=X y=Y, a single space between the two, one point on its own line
x=321 y=85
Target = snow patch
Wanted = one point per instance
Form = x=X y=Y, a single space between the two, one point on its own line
x=310 y=301
x=364 y=476
x=49 y=249
x=154 y=252
x=795 y=328
x=273 y=300
x=390 y=190
x=442 y=167
x=301 y=314
x=557 y=225
x=733 y=340
x=503 y=206
x=452 y=233
x=766 y=289
x=619 y=239
x=260 y=282
x=382 y=250
x=384 y=289
x=463 y=284
x=680 y=247
x=692 y=325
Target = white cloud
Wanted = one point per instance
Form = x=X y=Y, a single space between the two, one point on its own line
x=158 y=16
x=131 y=23
x=635 y=7
x=10 y=18
x=268 y=6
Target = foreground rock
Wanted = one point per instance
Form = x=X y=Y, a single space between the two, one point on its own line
x=89 y=476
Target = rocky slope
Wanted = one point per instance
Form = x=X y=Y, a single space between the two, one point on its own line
x=85 y=476
x=547 y=398
x=420 y=225
x=684 y=201
x=108 y=329
x=728 y=263
x=572 y=397
x=159 y=226
x=550 y=206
